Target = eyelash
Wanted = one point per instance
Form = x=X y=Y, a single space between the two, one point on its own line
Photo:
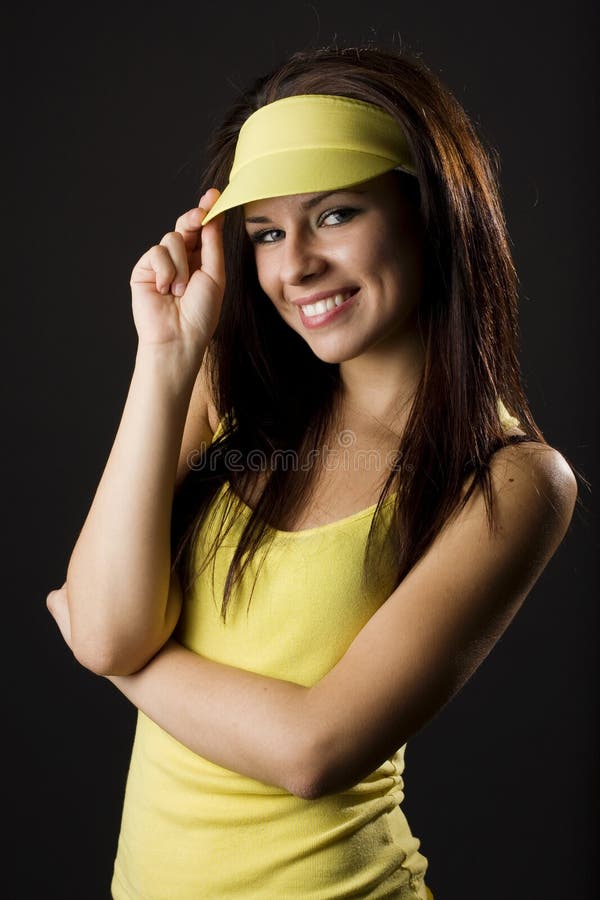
x=258 y=236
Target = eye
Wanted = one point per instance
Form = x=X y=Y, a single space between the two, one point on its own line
x=273 y=235
x=345 y=213
x=264 y=237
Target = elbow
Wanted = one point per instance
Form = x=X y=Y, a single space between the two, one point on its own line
x=310 y=774
x=108 y=663
x=327 y=765
x=88 y=644
x=94 y=658
x=304 y=785
x=110 y=653
x=110 y=660
x=110 y=645
x=311 y=783
x=309 y=790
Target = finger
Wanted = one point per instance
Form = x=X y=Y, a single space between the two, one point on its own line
x=189 y=225
x=155 y=267
x=176 y=246
x=213 y=257
x=54 y=596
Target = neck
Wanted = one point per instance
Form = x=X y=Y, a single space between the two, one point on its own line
x=379 y=385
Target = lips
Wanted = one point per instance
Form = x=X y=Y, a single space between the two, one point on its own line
x=324 y=318
x=322 y=306
x=325 y=295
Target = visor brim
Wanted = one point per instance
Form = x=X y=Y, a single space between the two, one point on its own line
x=301 y=172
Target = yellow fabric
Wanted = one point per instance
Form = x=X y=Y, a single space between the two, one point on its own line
x=312 y=142
x=506 y=419
x=192 y=830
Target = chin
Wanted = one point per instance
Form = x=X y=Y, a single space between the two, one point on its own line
x=335 y=355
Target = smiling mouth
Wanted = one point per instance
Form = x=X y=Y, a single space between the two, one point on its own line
x=323 y=306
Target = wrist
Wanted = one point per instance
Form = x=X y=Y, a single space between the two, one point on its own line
x=175 y=363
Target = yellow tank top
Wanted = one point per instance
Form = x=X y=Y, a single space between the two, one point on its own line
x=192 y=830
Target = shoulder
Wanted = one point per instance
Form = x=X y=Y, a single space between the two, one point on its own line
x=533 y=495
x=534 y=489
x=538 y=470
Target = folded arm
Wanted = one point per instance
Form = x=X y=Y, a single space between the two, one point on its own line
x=411 y=657
x=122 y=602
x=118 y=574
x=119 y=594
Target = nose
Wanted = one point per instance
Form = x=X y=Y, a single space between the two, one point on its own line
x=301 y=258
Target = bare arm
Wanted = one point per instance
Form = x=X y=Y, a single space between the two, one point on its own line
x=118 y=574
x=412 y=656
x=121 y=601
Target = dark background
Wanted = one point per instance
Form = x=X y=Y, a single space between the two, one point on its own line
x=106 y=116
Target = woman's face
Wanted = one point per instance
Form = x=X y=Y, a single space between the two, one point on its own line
x=361 y=245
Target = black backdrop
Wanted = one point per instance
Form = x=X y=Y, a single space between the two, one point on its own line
x=106 y=114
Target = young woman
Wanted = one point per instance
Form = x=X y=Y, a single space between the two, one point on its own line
x=327 y=497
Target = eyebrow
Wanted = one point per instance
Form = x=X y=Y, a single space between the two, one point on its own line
x=308 y=204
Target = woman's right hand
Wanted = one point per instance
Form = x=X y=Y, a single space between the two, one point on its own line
x=177 y=286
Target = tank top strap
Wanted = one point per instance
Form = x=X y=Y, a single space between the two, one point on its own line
x=220 y=428
x=512 y=439
x=506 y=420
x=519 y=438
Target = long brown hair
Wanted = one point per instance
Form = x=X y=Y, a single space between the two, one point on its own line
x=468 y=319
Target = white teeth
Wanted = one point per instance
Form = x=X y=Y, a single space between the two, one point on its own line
x=321 y=306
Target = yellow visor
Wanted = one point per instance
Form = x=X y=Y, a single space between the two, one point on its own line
x=312 y=142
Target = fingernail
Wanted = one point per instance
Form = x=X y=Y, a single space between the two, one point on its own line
x=178 y=289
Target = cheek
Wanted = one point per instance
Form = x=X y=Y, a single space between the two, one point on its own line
x=403 y=255
x=400 y=275
x=268 y=278
x=374 y=250
x=265 y=272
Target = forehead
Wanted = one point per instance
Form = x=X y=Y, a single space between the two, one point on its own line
x=257 y=209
